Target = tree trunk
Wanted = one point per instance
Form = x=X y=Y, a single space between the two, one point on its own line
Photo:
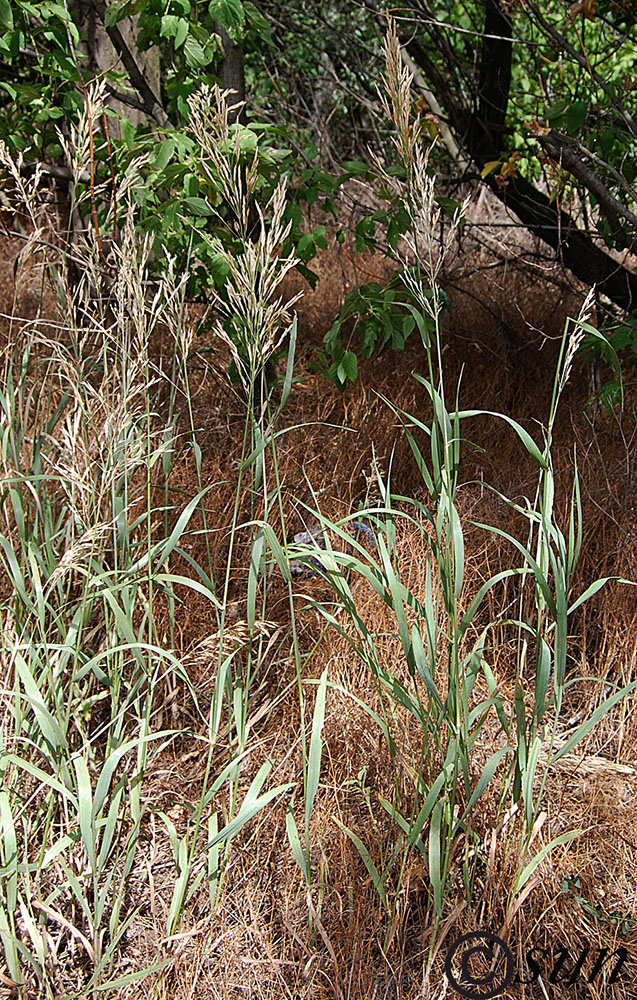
x=106 y=56
x=232 y=74
x=482 y=135
x=487 y=127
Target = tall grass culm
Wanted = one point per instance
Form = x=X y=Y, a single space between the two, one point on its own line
x=92 y=578
x=83 y=662
x=444 y=680
x=255 y=321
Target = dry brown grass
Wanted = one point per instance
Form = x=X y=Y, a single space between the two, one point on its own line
x=259 y=944
x=270 y=937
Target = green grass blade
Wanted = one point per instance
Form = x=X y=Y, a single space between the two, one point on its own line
x=85 y=808
x=253 y=578
x=542 y=675
x=367 y=861
x=523 y=435
x=485 y=778
x=294 y=839
x=427 y=806
x=434 y=855
x=589 y=724
x=526 y=873
x=316 y=749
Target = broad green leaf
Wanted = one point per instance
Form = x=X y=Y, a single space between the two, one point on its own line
x=355 y=168
x=348 y=367
x=168 y=28
x=115 y=12
x=248 y=140
x=199 y=206
x=182 y=32
x=556 y=110
x=165 y=151
x=194 y=53
x=575 y=116
x=229 y=13
x=6 y=15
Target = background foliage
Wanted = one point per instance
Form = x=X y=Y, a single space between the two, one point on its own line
x=539 y=103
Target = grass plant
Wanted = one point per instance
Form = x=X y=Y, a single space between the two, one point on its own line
x=443 y=676
x=87 y=663
x=100 y=553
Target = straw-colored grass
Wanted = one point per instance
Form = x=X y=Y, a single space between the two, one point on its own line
x=198 y=772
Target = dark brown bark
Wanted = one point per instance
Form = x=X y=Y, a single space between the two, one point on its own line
x=232 y=73
x=577 y=251
x=494 y=83
x=482 y=137
x=570 y=155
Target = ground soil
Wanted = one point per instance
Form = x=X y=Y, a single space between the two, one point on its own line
x=270 y=936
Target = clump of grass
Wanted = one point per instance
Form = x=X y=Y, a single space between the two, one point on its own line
x=82 y=660
x=252 y=317
x=85 y=568
x=254 y=320
x=446 y=682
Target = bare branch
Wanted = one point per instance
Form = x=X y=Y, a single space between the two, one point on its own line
x=128 y=99
x=150 y=103
x=450 y=143
x=580 y=58
x=52 y=170
x=568 y=153
x=480 y=134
